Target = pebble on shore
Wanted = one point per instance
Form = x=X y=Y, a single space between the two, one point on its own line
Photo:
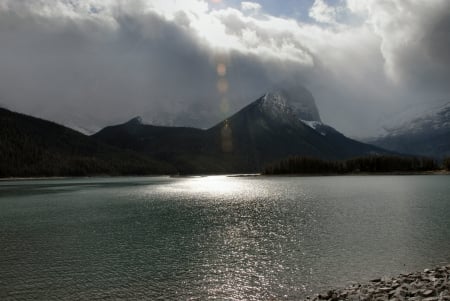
x=429 y=285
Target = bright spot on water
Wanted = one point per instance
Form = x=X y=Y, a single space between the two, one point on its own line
x=216 y=185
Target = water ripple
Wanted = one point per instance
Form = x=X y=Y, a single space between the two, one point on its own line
x=215 y=237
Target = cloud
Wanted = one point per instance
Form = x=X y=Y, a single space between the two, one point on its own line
x=324 y=13
x=96 y=62
x=413 y=40
x=250 y=6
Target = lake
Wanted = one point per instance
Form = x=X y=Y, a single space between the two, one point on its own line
x=233 y=238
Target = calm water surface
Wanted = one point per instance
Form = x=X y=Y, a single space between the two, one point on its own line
x=216 y=237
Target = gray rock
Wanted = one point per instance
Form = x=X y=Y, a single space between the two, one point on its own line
x=429 y=285
x=385 y=287
x=427 y=293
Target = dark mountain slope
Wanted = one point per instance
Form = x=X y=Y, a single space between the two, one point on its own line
x=270 y=129
x=135 y=135
x=34 y=147
x=266 y=130
x=188 y=149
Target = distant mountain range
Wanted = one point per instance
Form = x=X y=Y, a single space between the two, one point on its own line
x=276 y=125
x=272 y=127
x=419 y=133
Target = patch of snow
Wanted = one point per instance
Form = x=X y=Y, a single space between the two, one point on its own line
x=312 y=124
x=417 y=120
x=139 y=120
x=276 y=105
x=315 y=125
x=86 y=129
x=276 y=101
x=280 y=103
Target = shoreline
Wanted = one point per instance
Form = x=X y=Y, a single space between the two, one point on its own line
x=428 y=285
x=244 y=175
x=79 y=178
x=392 y=173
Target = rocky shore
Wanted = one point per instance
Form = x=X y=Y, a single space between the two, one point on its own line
x=429 y=285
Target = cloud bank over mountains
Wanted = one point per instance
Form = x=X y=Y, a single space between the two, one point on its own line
x=192 y=62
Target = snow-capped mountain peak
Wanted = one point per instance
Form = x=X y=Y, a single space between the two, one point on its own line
x=436 y=118
x=297 y=102
x=280 y=106
x=276 y=105
x=419 y=132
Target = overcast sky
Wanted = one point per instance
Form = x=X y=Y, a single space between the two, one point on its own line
x=93 y=63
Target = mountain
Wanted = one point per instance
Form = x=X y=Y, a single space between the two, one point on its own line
x=34 y=147
x=274 y=126
x=299 y=99
x=421 y=133
x=277 y=125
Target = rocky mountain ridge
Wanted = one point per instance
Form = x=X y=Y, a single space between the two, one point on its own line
x=425 y=133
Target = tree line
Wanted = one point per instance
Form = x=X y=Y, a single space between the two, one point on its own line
x=31 y=147
x=446 y=163
x=369 y=164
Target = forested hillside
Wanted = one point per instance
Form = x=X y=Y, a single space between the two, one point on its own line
x=370 y=164
x=34 y=147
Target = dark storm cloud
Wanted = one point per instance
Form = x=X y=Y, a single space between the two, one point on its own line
x=436 y=45
x=438 y=39
x=97 y=63
x=55 y=67
x=87 y=74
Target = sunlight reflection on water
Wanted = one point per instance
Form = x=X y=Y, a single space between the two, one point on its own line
x=216 y=237
x=217 y=186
